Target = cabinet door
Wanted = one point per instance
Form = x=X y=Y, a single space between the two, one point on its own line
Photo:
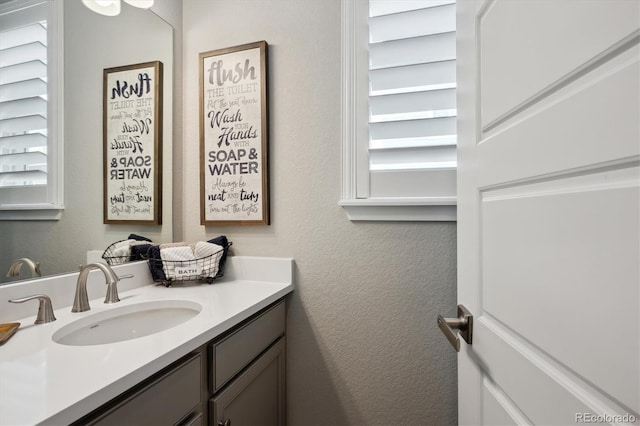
x=235 y=352
x=255 y=397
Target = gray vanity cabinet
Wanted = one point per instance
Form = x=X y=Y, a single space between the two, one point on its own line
x=256 y=397
x=248 y=373
x=239 y=377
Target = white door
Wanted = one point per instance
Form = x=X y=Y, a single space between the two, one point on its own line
x=548 y=211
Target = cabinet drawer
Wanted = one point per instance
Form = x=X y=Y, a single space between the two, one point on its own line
x=255 y=397
x=236 y=351
x=165 y=401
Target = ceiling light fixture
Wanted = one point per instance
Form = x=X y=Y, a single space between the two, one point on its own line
x=112 y=7
x=103 y=7
x=142 y=4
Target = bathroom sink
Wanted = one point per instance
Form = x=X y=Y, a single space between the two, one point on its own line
x=126 y=322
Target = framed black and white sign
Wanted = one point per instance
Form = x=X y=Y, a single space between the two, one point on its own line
x=234 y=184
x=132 y=139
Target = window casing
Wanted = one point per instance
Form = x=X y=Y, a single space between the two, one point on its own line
x=31 y=110
x=399 y=110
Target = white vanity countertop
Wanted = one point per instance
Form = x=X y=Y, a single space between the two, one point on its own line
x=43 y=381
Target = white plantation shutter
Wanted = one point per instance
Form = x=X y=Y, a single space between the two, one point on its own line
x=23 y=105
x=406 y=154
x=25 y=138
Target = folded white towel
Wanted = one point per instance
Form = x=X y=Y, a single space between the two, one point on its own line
x=203 y=249
x=177 y=253
x=208 y=261
x=168 y=245
x=179 y=261
x=120 y=252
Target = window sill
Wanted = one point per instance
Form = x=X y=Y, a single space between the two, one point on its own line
x=31 y=212
x=401 y=209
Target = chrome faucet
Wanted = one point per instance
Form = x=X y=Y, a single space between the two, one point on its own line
x=34 y=267
x=81 y=300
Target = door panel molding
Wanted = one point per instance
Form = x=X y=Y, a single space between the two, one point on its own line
x=505 y=30
x=537 y=152
x=498 y=408
x=553 y=394
x=536 y=257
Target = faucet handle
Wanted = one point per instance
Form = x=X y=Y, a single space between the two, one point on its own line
x=112 y=289
x=45 y=308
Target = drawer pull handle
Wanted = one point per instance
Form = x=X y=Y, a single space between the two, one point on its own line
x=224 y=422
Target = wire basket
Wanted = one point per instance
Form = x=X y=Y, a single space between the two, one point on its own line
x=110 y=257
x=205 y=269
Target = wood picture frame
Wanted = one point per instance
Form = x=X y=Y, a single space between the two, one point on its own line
x=132 y=141
x=234 y=136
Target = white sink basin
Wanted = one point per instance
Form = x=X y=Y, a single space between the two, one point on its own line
x=126 y=322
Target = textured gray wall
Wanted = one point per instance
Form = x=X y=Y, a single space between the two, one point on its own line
x=363 y=343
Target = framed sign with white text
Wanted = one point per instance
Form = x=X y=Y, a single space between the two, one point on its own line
x=132 y=139
x=234 y=184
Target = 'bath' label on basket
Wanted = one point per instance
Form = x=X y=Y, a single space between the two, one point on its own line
x=185 y=271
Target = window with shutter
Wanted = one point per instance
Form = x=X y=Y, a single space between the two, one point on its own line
x=399 y=109
x=30 y=111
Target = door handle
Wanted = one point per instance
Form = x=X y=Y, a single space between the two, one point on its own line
x=464 y=324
